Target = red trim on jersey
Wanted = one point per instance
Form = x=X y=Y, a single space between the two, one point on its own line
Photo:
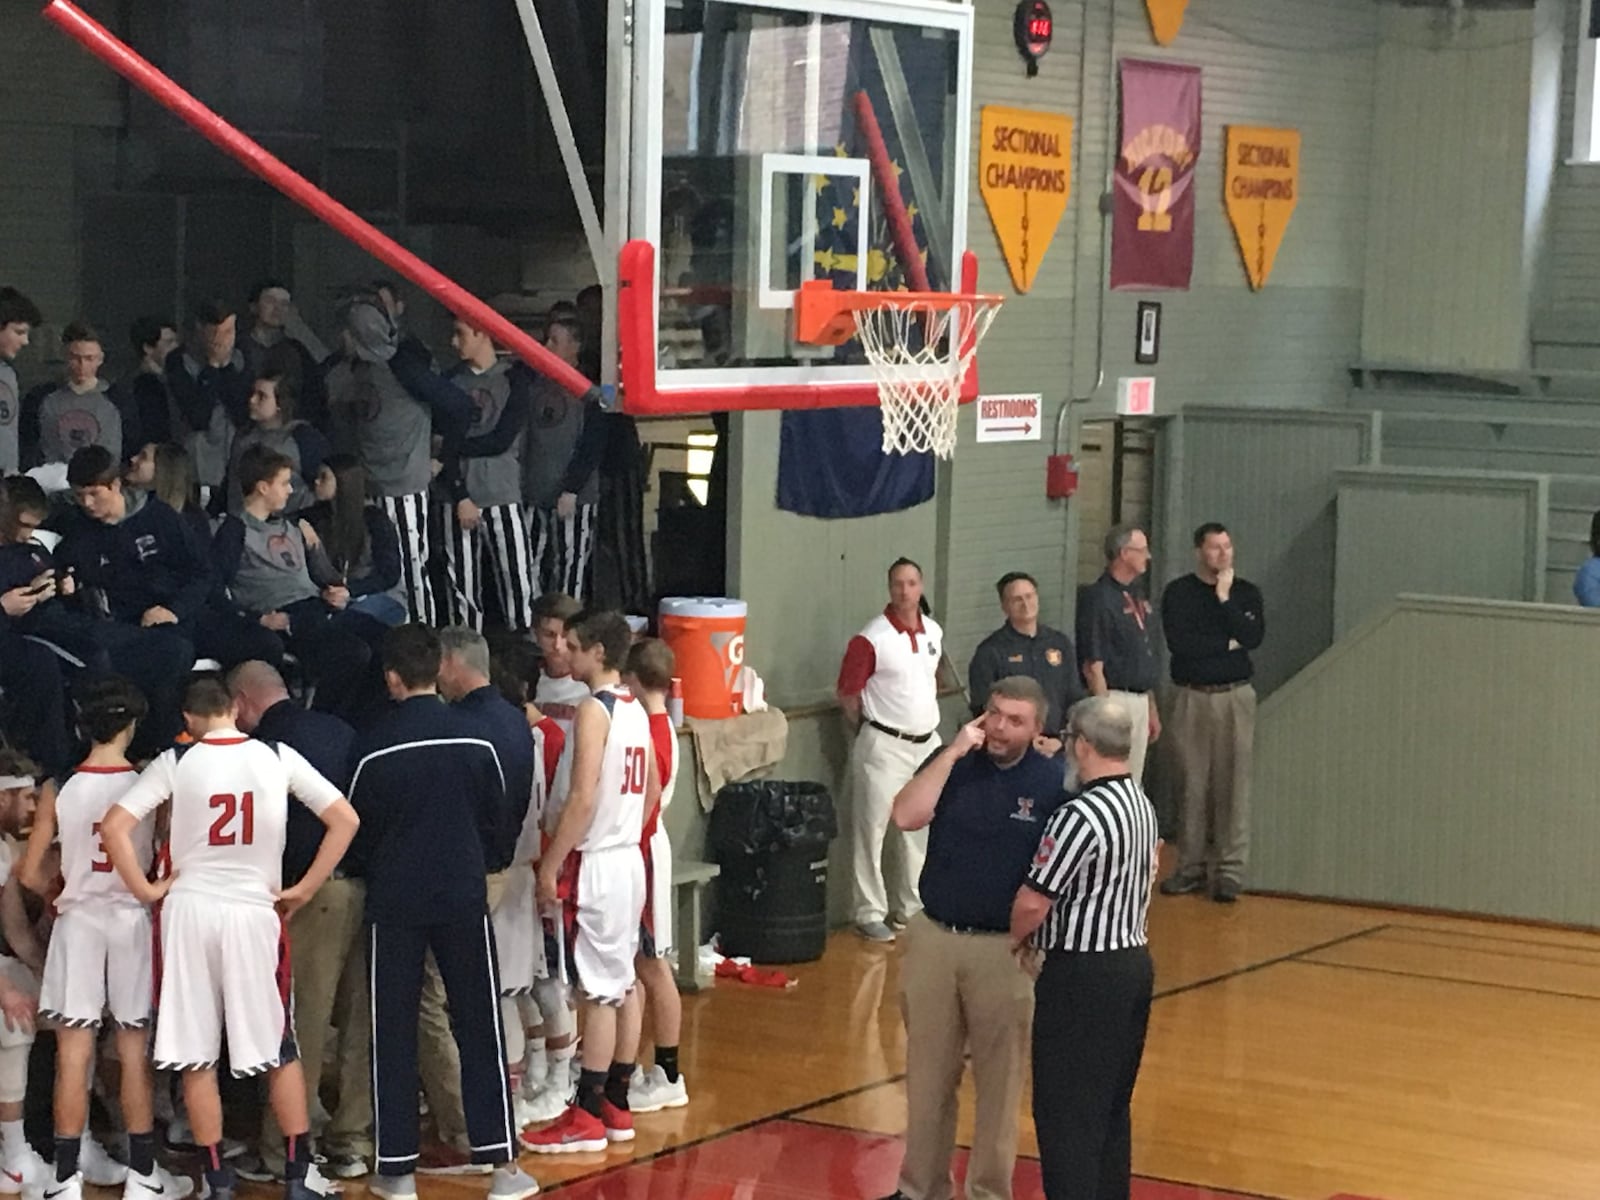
x=662 y=740
x=860 y=661
x=555 y=741
x=86 y=769
x=224 y=741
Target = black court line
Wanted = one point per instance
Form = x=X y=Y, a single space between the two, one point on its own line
x=1251 y=968
x=787 y=1114
x=1206 y=1187
x=1492 y=953
x=1500 y=937
x=1593 y=998
x=795 y=1112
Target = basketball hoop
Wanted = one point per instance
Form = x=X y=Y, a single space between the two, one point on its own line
x=920 y=346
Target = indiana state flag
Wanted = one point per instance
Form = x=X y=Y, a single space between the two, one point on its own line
x=831 y=461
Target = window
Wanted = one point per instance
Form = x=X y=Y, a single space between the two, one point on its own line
x=1586 y=98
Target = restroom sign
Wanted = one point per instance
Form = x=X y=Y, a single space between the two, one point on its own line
x=1016 y=418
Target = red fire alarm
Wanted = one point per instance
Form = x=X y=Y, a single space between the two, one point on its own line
x=1060 y=477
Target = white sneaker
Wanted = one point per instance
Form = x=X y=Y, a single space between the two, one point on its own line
x=99 y=1168
x=650 y=1092
x=549 y=1104
x=66 y=1189
x=25 y=1172
x=523 y=1111
x=160 y=1184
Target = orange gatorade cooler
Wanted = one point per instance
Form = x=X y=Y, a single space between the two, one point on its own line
x=706 y=634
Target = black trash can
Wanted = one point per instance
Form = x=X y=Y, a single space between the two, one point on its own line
x=771 y=840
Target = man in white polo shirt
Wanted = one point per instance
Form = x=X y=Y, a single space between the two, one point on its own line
x=888 y=689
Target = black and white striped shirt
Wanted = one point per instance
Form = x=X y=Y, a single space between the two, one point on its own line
x=1096 y=860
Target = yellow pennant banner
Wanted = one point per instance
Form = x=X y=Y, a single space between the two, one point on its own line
x=1262 y=182
x=1166 y=18
x=1025 y=175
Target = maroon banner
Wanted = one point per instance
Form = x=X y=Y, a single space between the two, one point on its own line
x=1152 y=223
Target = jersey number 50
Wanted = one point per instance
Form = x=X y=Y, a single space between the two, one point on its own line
x=244 y=807
x=633 y=771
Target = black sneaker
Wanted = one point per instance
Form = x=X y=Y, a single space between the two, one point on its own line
x=1226 y=892
x=1182 y=885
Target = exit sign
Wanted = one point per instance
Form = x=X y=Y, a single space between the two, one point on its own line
x=1136 y=396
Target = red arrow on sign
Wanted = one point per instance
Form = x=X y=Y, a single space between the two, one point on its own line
x=1023 y=429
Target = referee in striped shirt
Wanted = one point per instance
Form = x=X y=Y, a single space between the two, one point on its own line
x=1084 y=904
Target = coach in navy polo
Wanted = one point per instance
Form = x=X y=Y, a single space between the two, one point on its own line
x=984 y=799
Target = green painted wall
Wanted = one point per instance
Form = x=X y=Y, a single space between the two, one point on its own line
x=1443 y=756
x=1436 y=533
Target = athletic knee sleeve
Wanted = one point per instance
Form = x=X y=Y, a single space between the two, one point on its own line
x=551 y=997
x=14 y=1073
x=516 y=1042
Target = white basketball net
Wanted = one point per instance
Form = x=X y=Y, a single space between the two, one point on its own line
x=920 y=354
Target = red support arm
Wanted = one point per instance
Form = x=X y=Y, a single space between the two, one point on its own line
x=117 y=55
x=894 y=205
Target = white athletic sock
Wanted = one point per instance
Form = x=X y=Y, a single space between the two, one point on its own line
x=13 y=1142
x=558 y=1074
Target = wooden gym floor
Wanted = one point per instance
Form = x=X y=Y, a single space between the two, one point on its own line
x=1297 y=1051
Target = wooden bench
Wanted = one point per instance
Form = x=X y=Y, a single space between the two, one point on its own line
x=689 y=881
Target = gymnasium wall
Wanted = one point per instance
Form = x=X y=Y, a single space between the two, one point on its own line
x=1387 y=773
x=1299 y=63
x=1570 y=296
x=1436 y=533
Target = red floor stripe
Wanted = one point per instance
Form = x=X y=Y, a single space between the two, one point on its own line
x=786 y=1160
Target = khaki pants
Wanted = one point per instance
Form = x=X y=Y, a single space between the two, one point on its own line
x=880 y=765
x=327 y=959
x=962 y=991
x=1138 y=707
x=1214 y=734
x=438 y=1060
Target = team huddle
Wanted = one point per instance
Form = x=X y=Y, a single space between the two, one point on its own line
x=515 y=846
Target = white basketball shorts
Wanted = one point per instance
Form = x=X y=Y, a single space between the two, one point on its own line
x=655 y=929
x=99 y=961
x=604 y=905
x=224 y=964
x=518 y=938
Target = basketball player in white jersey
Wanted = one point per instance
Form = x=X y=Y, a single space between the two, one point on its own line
x=557 y=692
x=650 y=669
x=224 y=961
x=614 y=783
x=21 y=1167
x=98 y=962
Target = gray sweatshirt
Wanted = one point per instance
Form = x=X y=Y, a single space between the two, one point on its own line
x=393 y=431
x=555 y=423
x=275 y=567
x=10 y=409
x=496 y=479
x=69 y=421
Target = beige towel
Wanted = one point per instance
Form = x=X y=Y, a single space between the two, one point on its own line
x=736 y=749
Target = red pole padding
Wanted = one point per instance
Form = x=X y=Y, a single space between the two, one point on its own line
x=894 y=205
x=117 y=55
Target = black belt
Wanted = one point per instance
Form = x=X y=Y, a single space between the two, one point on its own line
x=1212 y=689
x=966 y=929
x=918 y=738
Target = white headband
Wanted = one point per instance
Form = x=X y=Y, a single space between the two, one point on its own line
x=12 y=782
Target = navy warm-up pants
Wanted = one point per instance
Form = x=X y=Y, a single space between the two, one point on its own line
x=465 y=954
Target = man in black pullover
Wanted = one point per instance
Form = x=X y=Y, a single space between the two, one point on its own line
x=430 y=791
x=211 y=390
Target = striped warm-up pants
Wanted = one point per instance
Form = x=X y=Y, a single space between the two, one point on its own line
x=502 y=536
x=562 y=547
x=410 y=517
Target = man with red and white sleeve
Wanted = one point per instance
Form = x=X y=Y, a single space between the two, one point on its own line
x=889 y=691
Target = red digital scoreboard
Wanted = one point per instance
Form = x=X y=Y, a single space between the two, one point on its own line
x=1034 y=29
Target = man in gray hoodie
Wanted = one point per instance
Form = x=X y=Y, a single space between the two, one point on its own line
x=18 y=316
x=379 y=414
